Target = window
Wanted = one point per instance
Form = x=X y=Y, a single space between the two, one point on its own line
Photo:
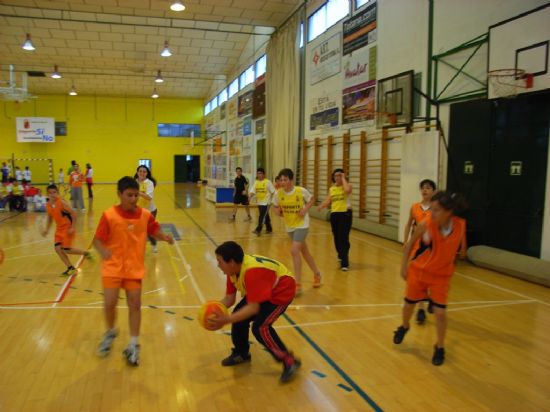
x=301 y=35
x=360 y=3
x=222 y=97
x=233 y=88
x=326 y=16
x=207 y=108
x=61 y=128
x=261 y=66
x=246 y=77
x=214 y=103
x=178 y=130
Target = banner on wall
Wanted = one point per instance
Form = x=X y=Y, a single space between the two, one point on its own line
x=245 y=104
x=35 y=129
x=324 y=61
x=324 y=112
x=232 y=109
x=359 y=67
x=247 y=126
x=259 y=127
x=358 y=103
x=360 y=29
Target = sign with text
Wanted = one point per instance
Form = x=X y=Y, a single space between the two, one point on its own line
x=35 y=129
x=324 y=112
x=358 y=103
x=325 y=59
x=357 y=67
x=360 y=30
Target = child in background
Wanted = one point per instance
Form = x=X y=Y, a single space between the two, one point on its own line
x=27 y=175
x=263 y=190
x=429 y=272
x=89 y=180
x=76 y=178
x=240 y=194
x=18 y=174
x=419 y=212
x=60 y=212
x=340 y=215
x=147 y=185
x=120 y=239
x=293 y=204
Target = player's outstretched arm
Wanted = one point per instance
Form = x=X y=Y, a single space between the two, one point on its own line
x=418 y=233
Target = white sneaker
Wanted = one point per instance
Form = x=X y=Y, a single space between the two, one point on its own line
x=106 y=343
x=131 y=353
x=155 y=249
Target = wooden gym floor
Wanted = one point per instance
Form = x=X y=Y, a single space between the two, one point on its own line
x=498 y=340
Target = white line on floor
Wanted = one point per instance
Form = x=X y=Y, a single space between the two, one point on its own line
x=63 y=288
x=153 y=291
x=184 y=277
x=187 y=267
x=29 y=256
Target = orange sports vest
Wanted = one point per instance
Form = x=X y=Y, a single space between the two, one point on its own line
x=127 y=241
x=418 y=213
x=61 y=218
x=438 y=259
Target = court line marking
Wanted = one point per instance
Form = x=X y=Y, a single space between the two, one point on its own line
x=153 y=291
x=189 y=271
x=483 y=282
x=95 y=307
x=64 y=289
x=309 y=340
x=29 y=256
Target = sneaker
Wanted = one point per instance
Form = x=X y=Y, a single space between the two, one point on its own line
x=299 y=289
x=269 y=231
x=257 y=232
x=430 y=306
x=248 y=219
x=70 y=272
x=235 y=359
x=344 y=268
x=317 y=280
x=439 y=356
x=290 y=370
x=399 y=335
x=420 y=316
x=155 y=249
x=104 y=347
x=131 y=353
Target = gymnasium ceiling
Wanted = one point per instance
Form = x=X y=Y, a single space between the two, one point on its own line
x=112 y=47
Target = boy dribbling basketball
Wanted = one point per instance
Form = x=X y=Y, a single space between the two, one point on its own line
x=60 y=212
x=120 y=239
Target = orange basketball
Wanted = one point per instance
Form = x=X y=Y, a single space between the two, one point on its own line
x=210 y=309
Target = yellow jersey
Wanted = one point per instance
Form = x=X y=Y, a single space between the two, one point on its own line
x=260 y=188
x=339 y=199
x=291 y=204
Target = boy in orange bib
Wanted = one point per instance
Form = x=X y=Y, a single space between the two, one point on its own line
x=120 y=239
x=419 y=212
x=428 y=273
x=60 y=212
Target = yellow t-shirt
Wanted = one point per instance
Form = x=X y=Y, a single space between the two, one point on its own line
x=260 y=188
x=256 y=261
x=291 y=204
x=339 y=199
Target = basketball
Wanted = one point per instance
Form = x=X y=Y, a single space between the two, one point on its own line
x=209 y=309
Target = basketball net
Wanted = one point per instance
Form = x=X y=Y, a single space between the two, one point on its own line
x=509 y=82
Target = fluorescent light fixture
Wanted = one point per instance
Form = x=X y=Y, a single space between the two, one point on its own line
x=56 y=74
x=73 y=91
x=155 y=95
x=166 y=51
x=159 y=78
x=27 y=45
x=177 y=6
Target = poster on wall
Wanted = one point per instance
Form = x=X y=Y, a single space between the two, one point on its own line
x=232 y=109
x=235 y=147
x=258 y=98
x=360 y=29
x=324 y=60
x=259 y=127
x=359 y=67
x=247 y=126
x=358 y=103
x=35 y=129
x=324 y=112
x=245 y=104
x=217 y=147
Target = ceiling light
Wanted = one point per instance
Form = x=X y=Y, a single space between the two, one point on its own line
x=55 y=74
x=28 y=43
x=159 y=78
x=155 y=95
x=166 y=51
x=73 y=91
x=177 y=6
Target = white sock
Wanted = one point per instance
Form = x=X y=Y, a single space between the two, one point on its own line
x=133 y=340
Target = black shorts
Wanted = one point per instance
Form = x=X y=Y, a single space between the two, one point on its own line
x=240 y=199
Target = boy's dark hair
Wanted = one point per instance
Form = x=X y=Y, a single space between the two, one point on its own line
x=230 y=251
x=260 y=170
x=451 y=201
x=73 y=162
x=334 y=172
x=126 y=183
x=52 y=187
x=428 y=182
x=239 y=168
x=287 y=172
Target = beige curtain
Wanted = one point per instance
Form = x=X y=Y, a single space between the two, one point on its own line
x=283 y=97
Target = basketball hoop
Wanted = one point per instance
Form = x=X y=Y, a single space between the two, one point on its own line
x=509 y=82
